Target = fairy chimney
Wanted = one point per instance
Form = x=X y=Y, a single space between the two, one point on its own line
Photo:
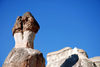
x=23 y=54
x=24 y=30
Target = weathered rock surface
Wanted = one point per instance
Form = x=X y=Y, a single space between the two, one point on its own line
x=84 y=63
x=24 y=30
x=24 y=57
x=18 y=25
x=96 y=60
x=68 y=57
x=25 y=23
x=23 y=54
x=29 y=23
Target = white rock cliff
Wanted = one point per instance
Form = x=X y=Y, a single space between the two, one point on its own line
x=68 y=57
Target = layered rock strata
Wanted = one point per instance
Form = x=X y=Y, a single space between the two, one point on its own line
x=68 y=57
x=23 y=54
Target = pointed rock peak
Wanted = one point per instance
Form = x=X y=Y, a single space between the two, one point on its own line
x=75 y=51
x=27 y=14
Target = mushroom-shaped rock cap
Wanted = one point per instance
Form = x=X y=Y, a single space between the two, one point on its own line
x=29 y=23
x=25 y=23
x=27 y=14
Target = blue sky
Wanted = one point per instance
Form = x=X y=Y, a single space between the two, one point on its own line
x=66 y=23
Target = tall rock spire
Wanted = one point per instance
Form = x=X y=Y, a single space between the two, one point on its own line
x=23 y=54
x=24 y=30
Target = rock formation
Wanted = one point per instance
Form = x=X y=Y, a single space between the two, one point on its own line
x=23 y=54
x=96 y=60
x=24 y=57
x=68 y=57
x=24 y=30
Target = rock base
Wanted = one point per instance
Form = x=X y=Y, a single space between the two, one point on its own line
x=24 y=57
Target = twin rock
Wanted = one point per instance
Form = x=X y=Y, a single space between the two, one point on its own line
x=24 y=54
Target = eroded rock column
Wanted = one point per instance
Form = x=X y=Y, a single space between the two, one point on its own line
x=23 y=54
x=24 y=30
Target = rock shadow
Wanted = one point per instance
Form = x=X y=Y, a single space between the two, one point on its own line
x=69 y=62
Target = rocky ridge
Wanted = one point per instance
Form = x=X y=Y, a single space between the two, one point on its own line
x=68 y=57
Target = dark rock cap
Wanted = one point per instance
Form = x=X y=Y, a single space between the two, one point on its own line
x=26 y=23
x=18 y=25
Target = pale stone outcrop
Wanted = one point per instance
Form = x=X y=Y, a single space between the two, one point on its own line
x=58 y=55
x=96 y=60
x=68 y=57
x=24 y=40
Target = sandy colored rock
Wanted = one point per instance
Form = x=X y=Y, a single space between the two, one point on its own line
x=82 y=52
x=68 y=57
x=96 y=60
x=24 y=40
x=24 y=57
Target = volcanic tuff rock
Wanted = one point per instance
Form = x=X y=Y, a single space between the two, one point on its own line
x=68 y=57
x=24 y=30
x=24 y=57
x=23 y=54
x=96 y=60
x=25 y=23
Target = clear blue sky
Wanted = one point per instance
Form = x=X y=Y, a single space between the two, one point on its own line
x=63 y=23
